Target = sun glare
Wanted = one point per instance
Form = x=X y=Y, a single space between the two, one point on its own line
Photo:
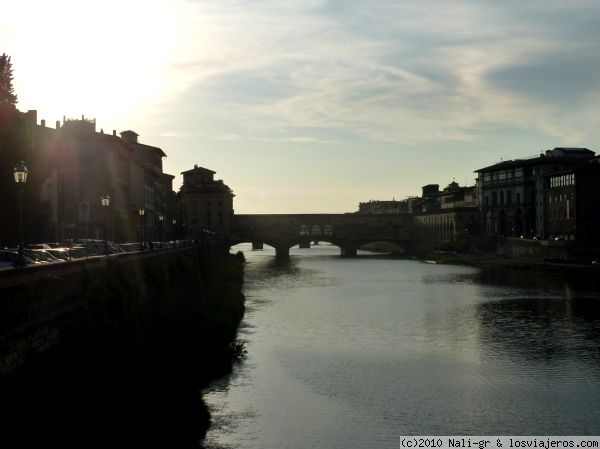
x=107 y=61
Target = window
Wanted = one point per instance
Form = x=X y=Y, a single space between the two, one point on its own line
x=487 y=177
x=501 y=197
x=509 y=197
x=518 y=198
x=519 y=172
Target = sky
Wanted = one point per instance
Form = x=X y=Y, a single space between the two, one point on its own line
x=307 y=106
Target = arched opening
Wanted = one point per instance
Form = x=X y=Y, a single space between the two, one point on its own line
x=529 y=224
x=253 y=248
x=382 y=247
x=502 y=223
x=518 y=223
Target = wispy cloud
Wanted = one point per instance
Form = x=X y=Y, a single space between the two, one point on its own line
x=428 y=72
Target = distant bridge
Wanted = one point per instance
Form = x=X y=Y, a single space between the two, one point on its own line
x=348 y=231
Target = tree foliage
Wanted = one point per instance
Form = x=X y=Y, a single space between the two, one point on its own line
x=7 y=94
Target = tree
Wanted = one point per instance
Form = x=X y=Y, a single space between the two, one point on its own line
x=7 y=95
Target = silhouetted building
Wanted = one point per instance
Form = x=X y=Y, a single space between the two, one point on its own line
x=75 y=165
x=430 y=199
x=150 y=188
x=454 y=196
x=83 y=166
x=572 y=202
x=205 y=204
x=512 y=192
x=451 y=214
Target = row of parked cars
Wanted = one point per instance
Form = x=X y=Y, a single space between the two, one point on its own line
x=57 y=252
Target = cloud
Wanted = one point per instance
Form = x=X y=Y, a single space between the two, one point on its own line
x=427 y=72
x=412 y=72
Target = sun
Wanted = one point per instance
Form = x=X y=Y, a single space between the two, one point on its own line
x=107 y=61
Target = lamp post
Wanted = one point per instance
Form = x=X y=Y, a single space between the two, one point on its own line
x=20 y=172
x=105 y=202
x=141 y=212
x=174 y=235
x=161 y=218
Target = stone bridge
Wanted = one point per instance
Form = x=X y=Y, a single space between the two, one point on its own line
x=348 y=231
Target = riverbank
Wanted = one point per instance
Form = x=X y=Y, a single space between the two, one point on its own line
x=130 y=363
x=492 y=261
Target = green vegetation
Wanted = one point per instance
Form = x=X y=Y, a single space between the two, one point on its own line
x=7 y=93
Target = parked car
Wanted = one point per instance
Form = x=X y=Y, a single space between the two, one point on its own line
x=43 y=255
x=38 y=256
x=60 y=253
x=9 y=257
x=37 y=246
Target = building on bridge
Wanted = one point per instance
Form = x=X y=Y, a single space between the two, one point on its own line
x=205 y=204
x=383 y=207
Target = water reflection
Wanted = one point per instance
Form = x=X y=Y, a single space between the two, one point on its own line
x=351 y=353
x=542 y=328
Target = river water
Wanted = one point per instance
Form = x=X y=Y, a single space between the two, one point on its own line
x=353 y=353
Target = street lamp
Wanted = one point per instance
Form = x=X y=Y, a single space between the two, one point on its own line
x=161 y=218
x=105 y=202
x=141 y=212
x=174 y=236
x=20 y=172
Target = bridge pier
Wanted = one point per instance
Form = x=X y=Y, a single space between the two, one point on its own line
x=257 y=245
x=282 y=252
x=348 y=251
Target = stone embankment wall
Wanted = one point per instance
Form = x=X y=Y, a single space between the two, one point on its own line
x=114 y=349
x=549 y=250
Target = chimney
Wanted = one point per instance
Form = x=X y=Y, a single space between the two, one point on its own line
x=58 y=124
x=43 y=123
x=114 y=132
x=129 y=136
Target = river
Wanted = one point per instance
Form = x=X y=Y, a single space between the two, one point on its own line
x=353 y=353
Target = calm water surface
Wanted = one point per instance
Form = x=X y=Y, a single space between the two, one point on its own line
x=352 y=353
